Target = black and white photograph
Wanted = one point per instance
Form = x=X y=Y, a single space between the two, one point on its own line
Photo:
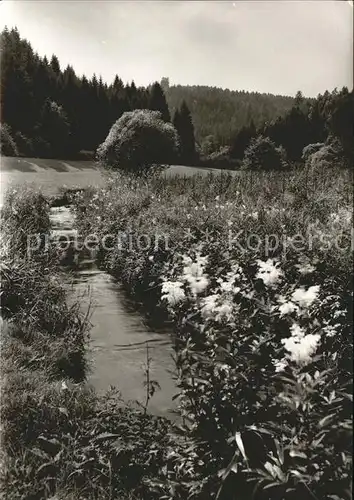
x=176 y=249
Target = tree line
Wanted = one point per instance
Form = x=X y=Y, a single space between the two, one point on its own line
x=52 y=112
x=49 y=111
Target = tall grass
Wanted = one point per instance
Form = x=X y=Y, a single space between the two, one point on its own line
x=58 y=438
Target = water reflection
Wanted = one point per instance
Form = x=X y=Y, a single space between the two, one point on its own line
x=119 y=335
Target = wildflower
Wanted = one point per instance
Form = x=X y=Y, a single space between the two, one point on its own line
x=173 y=292
x=279 y=365
x=151 y=258
x=305 y=297
x=224 y=312
x=211 y=309
x=297 y=331
x=198 y=285
x=268 y=272
x=209 y=305
x=217 y=198
x=300 y=346
x=193 y=273
x=305 y=267
x=329 y=331
x=287 y=308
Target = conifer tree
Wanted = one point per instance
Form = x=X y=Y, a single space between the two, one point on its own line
x=183 y=123
x=158 y=102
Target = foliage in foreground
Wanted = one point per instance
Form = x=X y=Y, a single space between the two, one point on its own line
x=264 y=344
x=58 y=438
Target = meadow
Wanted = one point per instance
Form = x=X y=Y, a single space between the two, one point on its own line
x=254 y=273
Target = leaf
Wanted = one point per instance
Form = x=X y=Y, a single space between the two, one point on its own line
x=106 y=435
x=280 y=451
x=45 y=466
x=231 y=467
x=239 y=443
x=296 y=453
x=325 y=420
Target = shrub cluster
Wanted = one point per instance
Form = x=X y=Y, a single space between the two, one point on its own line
x=263 y=154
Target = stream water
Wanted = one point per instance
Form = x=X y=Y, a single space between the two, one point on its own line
x=119 y=334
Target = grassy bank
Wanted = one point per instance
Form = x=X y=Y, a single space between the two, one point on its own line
x=255 y=273
x=58 y=439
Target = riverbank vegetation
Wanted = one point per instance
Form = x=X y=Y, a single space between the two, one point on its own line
x=58 y=438
x=254 y=273
x=262 y=335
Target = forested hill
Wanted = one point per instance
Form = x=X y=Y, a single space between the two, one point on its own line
x=222 y=112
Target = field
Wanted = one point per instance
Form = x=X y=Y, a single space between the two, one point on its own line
x=52 y=175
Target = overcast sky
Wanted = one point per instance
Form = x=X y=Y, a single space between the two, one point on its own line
x=277 y=47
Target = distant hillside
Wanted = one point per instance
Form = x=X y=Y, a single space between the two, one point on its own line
x=221 y=113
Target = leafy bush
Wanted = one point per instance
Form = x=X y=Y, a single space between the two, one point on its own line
x=8 y=145
x=137 y=141
x=326 y=157
x=262 y=154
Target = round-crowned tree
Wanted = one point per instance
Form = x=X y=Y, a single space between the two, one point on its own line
x=139 y=140
x=263 y=154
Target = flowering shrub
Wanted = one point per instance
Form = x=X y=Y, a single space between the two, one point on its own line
x=263 y=335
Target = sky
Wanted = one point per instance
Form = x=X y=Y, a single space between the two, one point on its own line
x=276 y=46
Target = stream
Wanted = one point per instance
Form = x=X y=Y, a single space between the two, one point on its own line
x=119 y=334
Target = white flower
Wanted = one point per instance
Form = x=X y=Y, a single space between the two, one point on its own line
x=280 y=365
x=301 y=347
x=305 y=268
x=193 y=273
x=305 y=297
x=268 y=272
x=224 y=312
x=173 y=292
x=198 y=285
x=287 y=308
x=297 y=331
x=211 y=309
x=209 y=305
x=329 y=331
